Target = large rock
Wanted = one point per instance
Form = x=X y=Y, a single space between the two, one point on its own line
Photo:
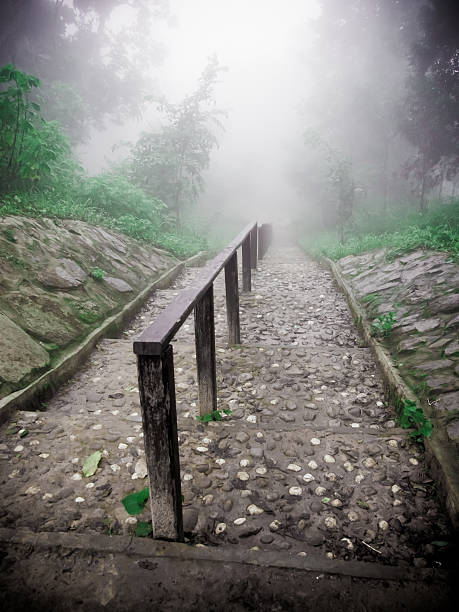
x=442 y=383
x=432 y=366
x=65 y=275
x=445 y=303
x=118 y=284
x=43 y=317
x=19 y=354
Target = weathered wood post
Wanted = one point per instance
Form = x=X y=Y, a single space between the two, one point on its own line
x=269 y=240
x=159 y=416
x=253 y=247
x=232 y=301
x=261 y=241
x=204 y=330
x=246 y=272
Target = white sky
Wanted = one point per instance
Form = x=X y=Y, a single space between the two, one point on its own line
x=260 y=42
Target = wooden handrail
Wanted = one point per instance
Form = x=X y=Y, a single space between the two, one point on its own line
x=158 y=335
x=155 y=365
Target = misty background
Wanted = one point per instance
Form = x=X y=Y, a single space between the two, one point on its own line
x=315 y=107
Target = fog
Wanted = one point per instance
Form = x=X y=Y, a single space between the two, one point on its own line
x=329 y=105
x=260 y=44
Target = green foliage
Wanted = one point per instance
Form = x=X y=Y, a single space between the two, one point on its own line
x=135 y=502
x=91 y=463
x=97 y=274
x=62 y=205
x=31 y=149
x=50 y=346
x=9 y=234
x=39 y=178
x=117 y=197
x=382 y=325
x=215 y=415
x=398 y=231
x=143 y=529
x=412 y=416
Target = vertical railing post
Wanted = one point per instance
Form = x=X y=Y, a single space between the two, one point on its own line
x=246 y=273
x=270 y=235
x=232 y=301
x=261 y=241
x=157 y=399
x=204 y=330
x=253 y=247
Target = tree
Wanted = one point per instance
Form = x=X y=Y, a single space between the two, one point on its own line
x=30 y=148
x=95 y=72
x=340 y=190
x=169 y=163
x=431 y=113
x=357 y=66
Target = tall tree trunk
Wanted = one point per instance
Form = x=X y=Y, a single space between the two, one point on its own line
x=422 y=200
x=385 y=178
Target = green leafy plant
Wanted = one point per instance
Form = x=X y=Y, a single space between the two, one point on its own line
x=143 y=529
x=383 y=325
x=134 y=503
x=97 y=274
x=412 y=416
x=108 y=524
x=9 y=234
x=215 y=415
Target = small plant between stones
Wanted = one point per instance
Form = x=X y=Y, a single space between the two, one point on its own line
x=383 y=325
x=215 y=415
x=134 y=503
x=412 y=416
x=97 y=274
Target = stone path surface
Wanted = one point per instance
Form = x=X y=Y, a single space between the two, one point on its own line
x=310 y=460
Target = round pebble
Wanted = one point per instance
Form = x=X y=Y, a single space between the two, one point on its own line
x=330 y=522
x=243 y=476
x=348 y=543
x=308 y=478
x=293 y=467
x=253 y=510
x=329 y=459
x=295 y=491
x=239 y=521
x=315 y=441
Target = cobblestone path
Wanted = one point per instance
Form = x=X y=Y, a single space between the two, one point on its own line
x=310 y=460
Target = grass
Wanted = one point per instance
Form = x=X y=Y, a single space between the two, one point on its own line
x=398 y=230
x=59 y=206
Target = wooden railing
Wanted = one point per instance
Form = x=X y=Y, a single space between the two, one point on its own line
x=156 y=370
